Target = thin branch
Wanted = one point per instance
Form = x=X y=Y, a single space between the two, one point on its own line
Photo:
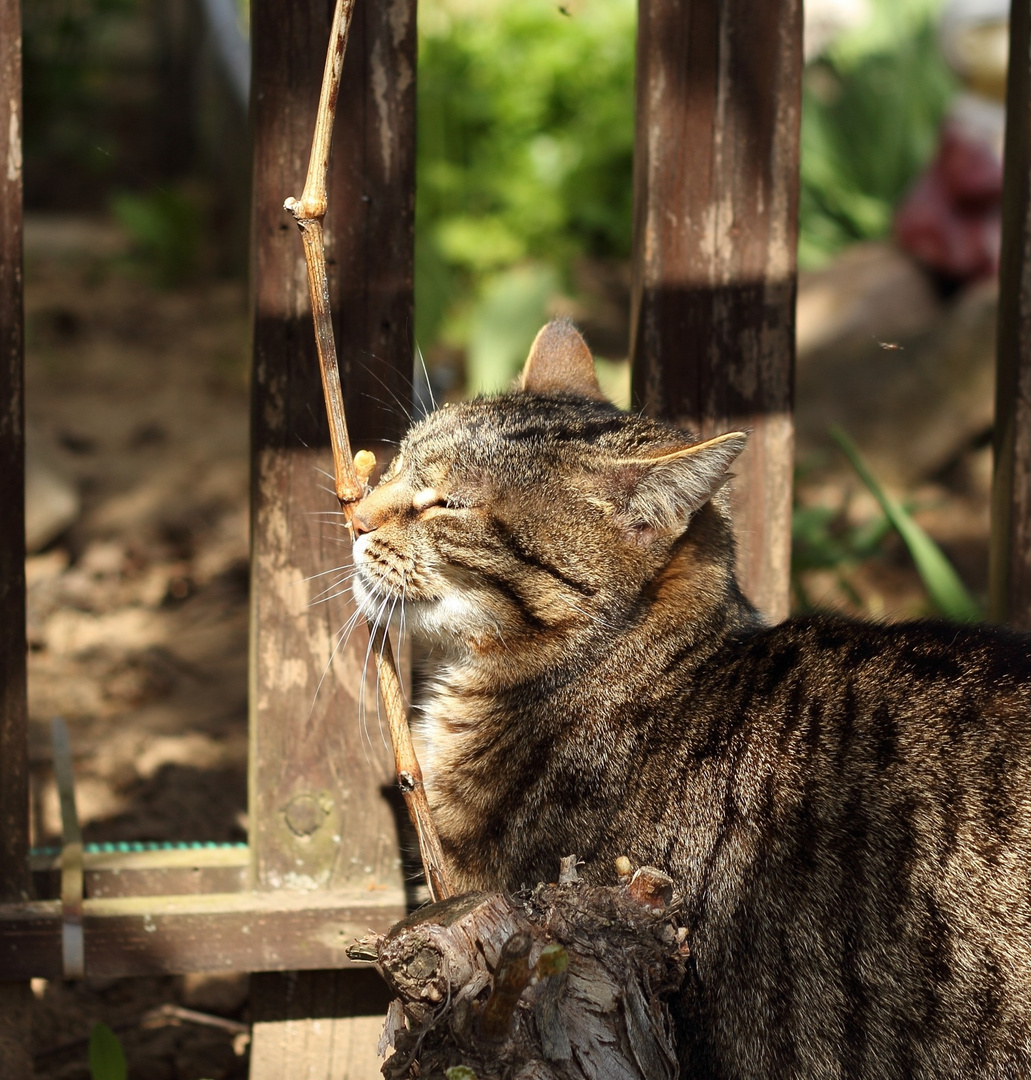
x=308 y=212
x=352 y=474
x=409 y=772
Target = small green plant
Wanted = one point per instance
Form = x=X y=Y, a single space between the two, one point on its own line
x=106 y=1056
x=944 y=587
x=822 y=540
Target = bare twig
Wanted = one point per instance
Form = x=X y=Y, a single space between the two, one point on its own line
x=308 y=211
x=169 y=1014
x=352 y=473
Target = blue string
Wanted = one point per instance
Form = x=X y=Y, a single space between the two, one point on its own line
x=124 y=847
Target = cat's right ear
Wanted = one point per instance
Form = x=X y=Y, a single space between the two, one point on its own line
x=560 y=363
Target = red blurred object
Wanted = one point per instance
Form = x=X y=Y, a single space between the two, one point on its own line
x=951 y=219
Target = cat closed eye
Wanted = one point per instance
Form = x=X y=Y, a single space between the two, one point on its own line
x=426 y=498
x=431 y=499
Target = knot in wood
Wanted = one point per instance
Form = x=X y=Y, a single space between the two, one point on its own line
x=417 y=967
x=651 y=888
x=305 y=814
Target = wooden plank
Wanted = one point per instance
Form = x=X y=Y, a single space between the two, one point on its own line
x=1010 y=555
x=14 y=754
x=15 y=999
x=163 y=935
x=300 y=1020
x=715 y=228
x=185 y=872
x=319 y=815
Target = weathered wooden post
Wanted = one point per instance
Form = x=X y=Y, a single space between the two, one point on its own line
x=15 y=1063
x=1010 y=562
x=715 y=227
x=320 y=819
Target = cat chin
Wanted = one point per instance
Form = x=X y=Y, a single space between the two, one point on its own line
x=453 y=617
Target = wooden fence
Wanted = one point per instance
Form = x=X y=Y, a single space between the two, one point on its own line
x=716 y=181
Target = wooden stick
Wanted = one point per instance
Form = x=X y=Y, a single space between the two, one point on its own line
x=352 y=473
x=308 y=212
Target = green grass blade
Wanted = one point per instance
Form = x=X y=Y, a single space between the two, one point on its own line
x=948 y=594
x=106 y=1056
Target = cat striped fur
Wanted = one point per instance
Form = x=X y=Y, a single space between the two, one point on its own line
x=845 y=806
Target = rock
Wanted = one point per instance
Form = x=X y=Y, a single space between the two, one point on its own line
x=910 y=378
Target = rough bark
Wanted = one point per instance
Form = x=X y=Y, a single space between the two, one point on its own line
x=563 y=982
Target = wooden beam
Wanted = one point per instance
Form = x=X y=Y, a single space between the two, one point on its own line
x=15 y=1062
x=321 y=777
x=176 y=872
x=164 y=935
x=1010 y=557
x=715 y=229
x=319 y=816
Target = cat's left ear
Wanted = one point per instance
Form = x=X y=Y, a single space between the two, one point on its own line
x=662 y=491
x=560 y=363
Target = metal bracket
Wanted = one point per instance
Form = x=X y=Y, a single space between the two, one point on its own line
x=73 y=946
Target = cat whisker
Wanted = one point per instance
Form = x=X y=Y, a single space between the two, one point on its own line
x=382 y=648
x=419 y=384
x=362 y=698
x=343 y=635
x=389 y=407
x=332 y=515
x=332 y=570
x=397 y=403
x=339 y=587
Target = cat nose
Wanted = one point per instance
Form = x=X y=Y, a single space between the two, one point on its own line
x=360 y=525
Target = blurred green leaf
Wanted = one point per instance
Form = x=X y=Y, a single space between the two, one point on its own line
x=511 y=310
x=525 y=148
x=871 y=111
x=106 y=1056
x=946 y=590
x=165 y=229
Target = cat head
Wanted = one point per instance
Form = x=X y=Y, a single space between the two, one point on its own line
x=540 y=514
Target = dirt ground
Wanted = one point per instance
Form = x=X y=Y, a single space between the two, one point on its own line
x=137 y=416
x=137 y=397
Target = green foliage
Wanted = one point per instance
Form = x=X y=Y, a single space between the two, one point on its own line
x=525 y=150
x=822 y=539
x=947 y=592
x=165 y=228
x=64 y=78
x=106 y=1056
x=526 y=120
x=512 y=307
x=871 y=113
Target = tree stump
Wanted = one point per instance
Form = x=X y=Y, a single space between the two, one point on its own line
x=568 y=981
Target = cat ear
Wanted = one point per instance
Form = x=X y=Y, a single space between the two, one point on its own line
x=560 y=362
x=666 y=488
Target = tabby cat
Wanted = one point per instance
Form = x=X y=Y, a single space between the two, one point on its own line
x=846 y=807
